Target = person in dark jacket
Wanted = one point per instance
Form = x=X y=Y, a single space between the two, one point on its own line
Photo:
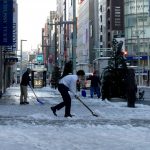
x=95 y=85
x=23 y=87
x=131 y=88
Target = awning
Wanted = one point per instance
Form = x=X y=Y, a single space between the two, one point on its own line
x=11 y=60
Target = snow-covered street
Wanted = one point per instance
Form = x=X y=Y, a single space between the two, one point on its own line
x=34 y=127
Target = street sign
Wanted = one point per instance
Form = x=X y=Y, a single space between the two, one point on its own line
x=39 y=58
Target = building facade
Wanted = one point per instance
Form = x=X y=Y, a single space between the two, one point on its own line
x=87 y=34
x=111 y=25
x=111 y=21
x=137 y=35
x=8 y=43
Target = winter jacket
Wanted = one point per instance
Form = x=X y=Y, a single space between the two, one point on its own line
x=25 y=79
x=95 y=81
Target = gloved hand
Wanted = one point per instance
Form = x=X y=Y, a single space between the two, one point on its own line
x=77 y=97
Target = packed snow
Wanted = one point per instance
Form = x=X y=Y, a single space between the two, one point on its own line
x=34 y=126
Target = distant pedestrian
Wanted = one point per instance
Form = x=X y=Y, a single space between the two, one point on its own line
x=25 y=81
x=13 y=81
x=95 y=85
x=66 y=84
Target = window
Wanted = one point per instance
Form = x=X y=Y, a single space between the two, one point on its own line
x=108 y=25
x=101 y=38
x=101 y=8
x=108 y=36
x=101 y=28
x=101 y=18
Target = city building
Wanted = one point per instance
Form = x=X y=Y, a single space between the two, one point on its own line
x=111 y=26
x=8 y=43
x=87 y=34
x=137 y=27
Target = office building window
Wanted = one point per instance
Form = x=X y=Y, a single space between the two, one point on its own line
x=101 y=38
x=101 y=28
x=101 y=18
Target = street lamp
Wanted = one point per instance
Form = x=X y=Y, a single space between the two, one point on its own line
x=21 y=57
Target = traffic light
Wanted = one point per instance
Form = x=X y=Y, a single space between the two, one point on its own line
x=125 y=53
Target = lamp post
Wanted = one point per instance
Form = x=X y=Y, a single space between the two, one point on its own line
x=21 y=57
x=139 y=71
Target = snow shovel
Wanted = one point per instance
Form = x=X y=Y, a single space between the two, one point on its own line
x=87 y=107
x=36 y=96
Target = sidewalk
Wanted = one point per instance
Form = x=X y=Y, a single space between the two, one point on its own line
x=12 y=95
x=109 y=112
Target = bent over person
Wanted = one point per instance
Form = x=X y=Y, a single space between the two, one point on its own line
x=66 y=84
x=23 y=87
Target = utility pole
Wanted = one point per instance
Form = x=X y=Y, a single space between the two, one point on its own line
x=21 y=57
x=74 y=37
x=55 y=45
x=96 y=31
x=65 y=46
x=138 y=47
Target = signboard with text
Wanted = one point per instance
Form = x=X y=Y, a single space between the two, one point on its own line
x=40 y=58
x=117 y=15
x=6 y=22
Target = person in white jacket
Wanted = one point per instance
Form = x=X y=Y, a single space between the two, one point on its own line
x=67 y=83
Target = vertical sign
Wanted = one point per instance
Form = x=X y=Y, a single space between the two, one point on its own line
x=40 y=58
x=117 y=15
x=6 y=22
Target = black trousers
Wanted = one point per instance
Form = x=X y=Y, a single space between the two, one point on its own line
x=66 y=99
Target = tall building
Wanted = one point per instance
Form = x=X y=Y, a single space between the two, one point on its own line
x=111 y=25
x=65 y=9
x=61 y=16
x=49 y=50
x=111 y=21
x=102 y=23
x=137 y=34
x=87 y=34
x=51 y=42
x=137 y=27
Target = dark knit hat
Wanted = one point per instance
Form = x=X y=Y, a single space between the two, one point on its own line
x=80 y=73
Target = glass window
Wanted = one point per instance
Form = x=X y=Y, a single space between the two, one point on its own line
x=131 y=21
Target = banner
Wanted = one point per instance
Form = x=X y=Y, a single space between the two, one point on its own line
x=6 y=22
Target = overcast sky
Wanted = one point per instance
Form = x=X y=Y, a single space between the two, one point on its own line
x=32 y=15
